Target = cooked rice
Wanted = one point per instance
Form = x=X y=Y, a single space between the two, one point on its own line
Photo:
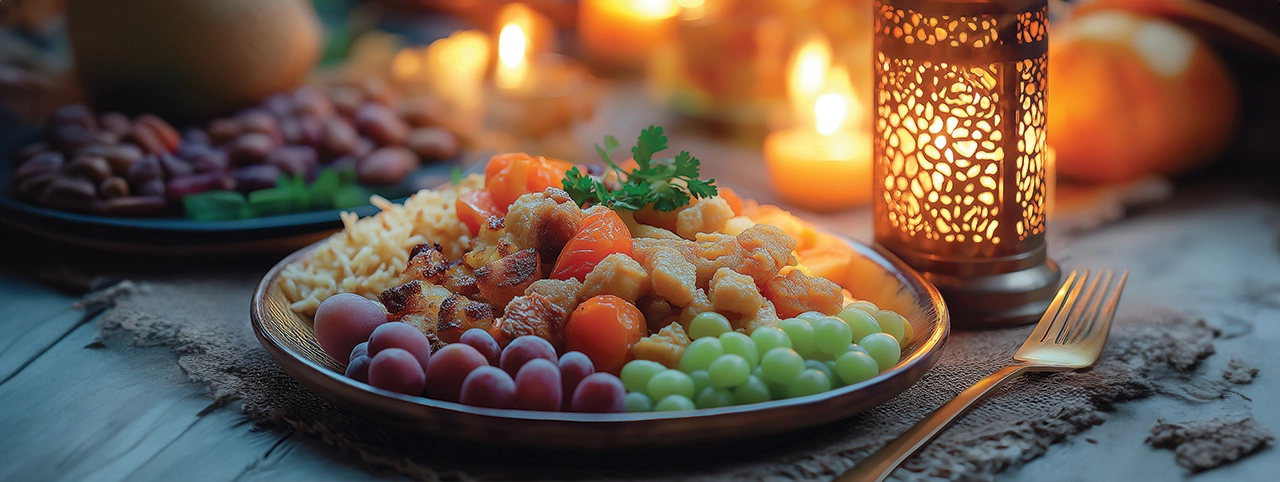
x=368 y=255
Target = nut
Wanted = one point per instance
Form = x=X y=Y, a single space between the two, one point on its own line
x=120 y=156
x=259 y=120
x=340 y=138
x=151 y=187
x=432 y=143
x=115 y=123
x=293 y=160
x=309 y=101
x=381 y=123
x=346 y=99
x=181 y=187
x=175 y=167
x=69 y=137
x=250 y=148
x=154 y=135
x=113 y=187
x=39 y=164
x=70 y=193
x=93 y=167
x=222 y=131
x=31 y=150
x=204 y=158
x=421 y=111
x=74 y=114
x=146 y=169
x=33 y=186
x=386 y=166
x=255 y=177
x=196 y=135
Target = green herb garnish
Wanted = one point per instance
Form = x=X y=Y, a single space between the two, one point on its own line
x=665 y=183
x=455 y=176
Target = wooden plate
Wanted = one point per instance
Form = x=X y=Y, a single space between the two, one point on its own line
x=875 y=275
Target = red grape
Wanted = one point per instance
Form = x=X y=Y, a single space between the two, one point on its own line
x=358 y=369
x=397 y=370
x=484 y=343
x=490 y=387
x=523 y=349
x=538 y=386
x=344 y=320
x=360 y=350
x=600 y=393
x=574 y=366
x=402 y=336
x=449 y=367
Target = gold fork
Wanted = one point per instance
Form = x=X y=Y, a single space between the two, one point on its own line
x=1069 y=337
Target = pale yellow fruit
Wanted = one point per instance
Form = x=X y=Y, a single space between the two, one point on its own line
x=1131 y=95
x=191 y=59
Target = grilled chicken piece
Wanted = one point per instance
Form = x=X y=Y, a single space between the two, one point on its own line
x=531 y=314
x=562 y=293
x=760 y=252
x=508 y=277
x=428 y=263
x=734 y=292
x=657 y=311
x=491 y=244
x=416 y=303
x=459 y=314
x=544 y=221
x=796 y=293
x=618 y=275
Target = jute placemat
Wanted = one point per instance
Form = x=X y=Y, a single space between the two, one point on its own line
x=203 y=318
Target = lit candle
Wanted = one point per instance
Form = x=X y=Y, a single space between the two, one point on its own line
x=512 y=71
x=621 y=34
x=823 y=162
x=537 y=92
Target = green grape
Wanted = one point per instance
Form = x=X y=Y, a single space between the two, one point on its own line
x=836 y=381
x=781 y=365
x=855 y=347
x=768 y=338
x=701 y=380
x=673 y=403
x=741 y=345
x=635 y=374
x=855 y=366
x=638 y=402
x=812 y=316
x=908 y=334
x=801 y=334
x=832 y=336
x=700 y=354
x=863 y=305
x=883 y=348
x=670 y=382
x=777 y=390
x=712 y=397
x=757 y=372
x=708 y=323
x=753 y=391
x=820 y=366
x=861 y=323
x=809 y=382
x=728 y=370
x=892 y=323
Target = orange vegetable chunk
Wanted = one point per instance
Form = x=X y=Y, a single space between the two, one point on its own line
x=601 y=234
x=604 y=328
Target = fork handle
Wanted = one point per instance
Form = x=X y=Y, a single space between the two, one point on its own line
x=880 y=464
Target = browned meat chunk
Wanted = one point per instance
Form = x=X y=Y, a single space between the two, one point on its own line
x=544 y=221
x=759 y=252
x=796 y=293
x=530 y=315
x=618 y=275
x=416 y=303
x=428 y=263
x=492 y=243
x=459 y=314
x=508 y=277
x=734 y=292
x=665 y=347
x=562 y=293
x=657 y=311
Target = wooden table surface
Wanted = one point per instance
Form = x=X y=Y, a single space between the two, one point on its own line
x=71 y=409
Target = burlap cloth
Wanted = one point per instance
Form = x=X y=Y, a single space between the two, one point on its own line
x=204 y=319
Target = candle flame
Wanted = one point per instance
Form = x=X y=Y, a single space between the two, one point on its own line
x=653 y=8
x=829 y=110
x=808 y=72
x=511 y=45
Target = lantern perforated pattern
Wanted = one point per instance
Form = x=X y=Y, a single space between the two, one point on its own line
x=960 y=145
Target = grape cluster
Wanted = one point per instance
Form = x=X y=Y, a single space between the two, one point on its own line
x=527 y=374
x=805 y=355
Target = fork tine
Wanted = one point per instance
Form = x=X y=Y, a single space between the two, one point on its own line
x=1081 y=310
x=1089 y=311
x=1065 y=308
x=1054 y=306
x=1109 y=312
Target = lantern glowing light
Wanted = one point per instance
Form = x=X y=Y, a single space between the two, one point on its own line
x=960 y=152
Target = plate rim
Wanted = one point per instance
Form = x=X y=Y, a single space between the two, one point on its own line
x=928 y=354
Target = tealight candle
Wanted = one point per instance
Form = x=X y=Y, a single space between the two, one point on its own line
x=823 y=161
x=536 y=93
x=621 y=34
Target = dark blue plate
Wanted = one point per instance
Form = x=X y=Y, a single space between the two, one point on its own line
x=181 y=235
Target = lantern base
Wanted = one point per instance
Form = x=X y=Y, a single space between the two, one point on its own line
x=998 y=300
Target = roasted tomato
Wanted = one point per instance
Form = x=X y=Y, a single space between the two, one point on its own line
x=476 y=206
x=509 y=175
x=601 y=234
x=605 y=328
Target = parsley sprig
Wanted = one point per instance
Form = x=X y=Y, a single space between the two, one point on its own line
x=664 y=183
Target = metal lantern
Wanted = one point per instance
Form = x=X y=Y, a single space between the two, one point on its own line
x=959 y=151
